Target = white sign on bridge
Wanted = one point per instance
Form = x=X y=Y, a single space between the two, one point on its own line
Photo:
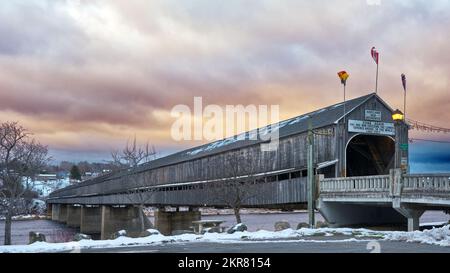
x=371 y=127
x=373 y=115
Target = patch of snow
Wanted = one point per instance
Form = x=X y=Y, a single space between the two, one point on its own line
x=435 y=236
x=337 y=105
x=251 y=135
x=26 y=217
x=433 y=224
x=153 y=231
x=44 y=188
x=320 y=111
x=298 y=119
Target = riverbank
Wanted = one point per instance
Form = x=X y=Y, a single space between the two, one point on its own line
x=58 y=232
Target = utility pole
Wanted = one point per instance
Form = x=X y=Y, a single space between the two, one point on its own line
x=311 y=186
x=311 y=177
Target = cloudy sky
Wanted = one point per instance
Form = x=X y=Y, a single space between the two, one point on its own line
x=86 y=75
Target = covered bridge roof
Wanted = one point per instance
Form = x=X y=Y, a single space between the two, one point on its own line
x=299 y=124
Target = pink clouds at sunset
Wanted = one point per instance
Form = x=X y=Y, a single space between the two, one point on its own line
x=87 y=75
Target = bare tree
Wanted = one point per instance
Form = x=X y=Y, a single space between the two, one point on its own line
x=21 y=159
x=239 y=185
x=133 y=154
x=139 y=190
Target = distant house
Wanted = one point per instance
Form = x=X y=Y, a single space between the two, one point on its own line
x=88 y=175
x=62 y=174
x=46 y=177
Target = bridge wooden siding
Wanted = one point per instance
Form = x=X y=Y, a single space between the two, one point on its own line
x=289 y=191
x=291 y=155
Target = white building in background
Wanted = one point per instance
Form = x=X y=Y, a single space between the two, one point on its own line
x=46 y=177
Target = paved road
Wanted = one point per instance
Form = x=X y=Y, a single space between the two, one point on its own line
x=279 y=247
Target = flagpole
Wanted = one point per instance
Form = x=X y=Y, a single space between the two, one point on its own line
x=345 y=125
x=376 y=80
x=404 y=104
x=345 y=110
x=375 y=57
x=404 y=94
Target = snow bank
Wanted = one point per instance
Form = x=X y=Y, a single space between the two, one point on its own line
x=436 y=236
x=27 y=217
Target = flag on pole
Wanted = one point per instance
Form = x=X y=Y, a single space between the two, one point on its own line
x=404 y=82
x=343 y=75
x=375 y=54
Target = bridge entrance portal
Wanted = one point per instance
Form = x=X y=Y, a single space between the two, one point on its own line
x=370 y=155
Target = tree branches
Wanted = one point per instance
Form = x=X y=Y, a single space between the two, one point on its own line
x=133 y=155
x=239 y=184
x=21 y=159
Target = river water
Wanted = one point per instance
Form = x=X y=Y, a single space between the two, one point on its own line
x=57 y=232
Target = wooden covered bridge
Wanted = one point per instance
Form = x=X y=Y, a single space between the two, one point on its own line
x=359 y=142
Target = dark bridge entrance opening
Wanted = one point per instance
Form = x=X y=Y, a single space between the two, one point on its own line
x=370 y=155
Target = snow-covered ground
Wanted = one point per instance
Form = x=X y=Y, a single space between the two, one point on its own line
x=44 y=188
x=436 y=236
x=27 y=217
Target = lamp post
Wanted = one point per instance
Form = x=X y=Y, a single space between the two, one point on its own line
x=343 y=75
x=398 y=117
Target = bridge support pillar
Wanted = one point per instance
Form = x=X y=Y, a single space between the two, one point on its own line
x=73 y=216
x=55 y=211
x=412 y=214
x=62 y=213
x=169 y=221
x=91 y=220
x=49 y=211
x=129 y=218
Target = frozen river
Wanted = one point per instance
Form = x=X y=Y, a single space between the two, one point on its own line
x=57 y=232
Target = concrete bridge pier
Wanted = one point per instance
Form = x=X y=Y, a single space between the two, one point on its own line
x=129 y=218
x=49 y=210
x=169 y=221
x=90 y=219
x=411 y=214
x=55 y=211
x=73 y=216
x=63 y=213
x=59 y=213
x=339 y=214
